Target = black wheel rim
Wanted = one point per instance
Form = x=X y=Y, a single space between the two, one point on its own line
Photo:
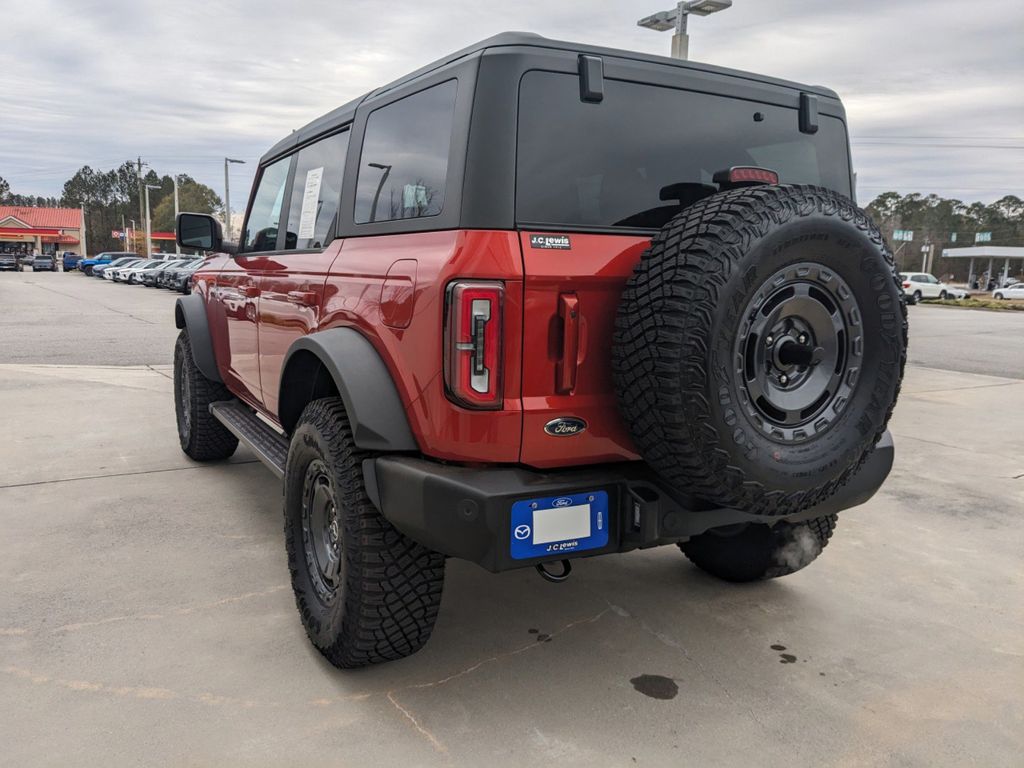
x=321 y=531
x=798 y=353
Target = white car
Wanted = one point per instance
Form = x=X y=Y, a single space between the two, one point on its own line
x=921 y=285
x=131 y=274
x=1015 y=291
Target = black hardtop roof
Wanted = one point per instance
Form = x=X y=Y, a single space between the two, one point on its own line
x=346 y=112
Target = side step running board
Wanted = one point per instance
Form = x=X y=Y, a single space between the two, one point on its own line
x=269 y=446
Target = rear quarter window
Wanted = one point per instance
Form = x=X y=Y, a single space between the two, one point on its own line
x=644 y=152
x=403 y=168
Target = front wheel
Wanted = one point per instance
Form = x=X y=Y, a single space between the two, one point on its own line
x=943 y=295
x=753 y=552
x=201 y=436
x=1000 y=297
x=365 y=592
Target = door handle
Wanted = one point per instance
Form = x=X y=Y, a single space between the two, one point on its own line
x=250 y=291
x=302 y=298
x=565 y=369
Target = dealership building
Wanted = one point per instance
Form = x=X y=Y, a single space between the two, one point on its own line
x=44 y=230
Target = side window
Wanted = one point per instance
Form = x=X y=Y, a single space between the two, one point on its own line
x=265 y=215
x=316 y=192
x=404 y=164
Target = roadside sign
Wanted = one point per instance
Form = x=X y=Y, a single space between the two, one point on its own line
x=983 y=237
x=952 y=238
x=903 y=235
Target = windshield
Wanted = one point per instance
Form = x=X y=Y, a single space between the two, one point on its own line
x=644 y=152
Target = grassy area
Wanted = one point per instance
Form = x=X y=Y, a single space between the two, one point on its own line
x=976 y=303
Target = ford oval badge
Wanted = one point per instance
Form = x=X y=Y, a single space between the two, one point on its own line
x=565 y=426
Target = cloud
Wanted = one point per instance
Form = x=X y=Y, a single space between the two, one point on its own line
x=184 y=84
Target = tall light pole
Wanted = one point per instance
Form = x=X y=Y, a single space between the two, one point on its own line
x=177 y=248
x=149 y=224
x=666 y=20
x=227 y=197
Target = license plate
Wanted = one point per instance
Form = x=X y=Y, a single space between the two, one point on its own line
x=559 y=525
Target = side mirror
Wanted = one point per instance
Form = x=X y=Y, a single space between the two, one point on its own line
x=202 y=232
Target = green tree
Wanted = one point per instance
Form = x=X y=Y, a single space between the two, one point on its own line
x=192 y=196
x=5 y=190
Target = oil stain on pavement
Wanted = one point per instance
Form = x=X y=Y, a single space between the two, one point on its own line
x=656 y=686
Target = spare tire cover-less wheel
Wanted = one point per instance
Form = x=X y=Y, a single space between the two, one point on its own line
x=759 y=347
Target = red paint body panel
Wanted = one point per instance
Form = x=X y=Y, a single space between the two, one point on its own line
x=414 y=355
x=291 y=294
x=392 y=289
x=232 y=319
x=590 y=276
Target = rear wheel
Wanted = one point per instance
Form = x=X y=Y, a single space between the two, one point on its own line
x=753 y=552
x=366 y=592
x=917 y=297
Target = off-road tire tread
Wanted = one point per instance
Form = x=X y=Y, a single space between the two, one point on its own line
x=209 y=440
x=392 y=589
x=662 y=334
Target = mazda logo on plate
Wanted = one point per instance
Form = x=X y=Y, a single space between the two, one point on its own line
x=565 y=426
x=522 y=532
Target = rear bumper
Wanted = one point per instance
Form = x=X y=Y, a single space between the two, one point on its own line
x=465 y=512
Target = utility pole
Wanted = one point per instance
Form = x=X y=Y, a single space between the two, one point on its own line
x=124 y=231
x=177 y=248
x=227 y=197
x=149 y=224
x=85 y=248
x=139 y=177
x=133 y=233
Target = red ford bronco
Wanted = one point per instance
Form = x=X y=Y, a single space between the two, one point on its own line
x=540 y=301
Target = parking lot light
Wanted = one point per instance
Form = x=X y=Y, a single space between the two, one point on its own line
x=663 y=21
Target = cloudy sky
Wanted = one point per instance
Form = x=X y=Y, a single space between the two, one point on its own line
x=934 y=89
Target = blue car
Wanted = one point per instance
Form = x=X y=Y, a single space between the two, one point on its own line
x=86 y=265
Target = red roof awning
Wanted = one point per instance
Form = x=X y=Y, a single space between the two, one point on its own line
x=62 y=240
x=31 y=231
x=163 y=236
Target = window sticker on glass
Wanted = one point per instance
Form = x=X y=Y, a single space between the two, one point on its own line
x=310 y=202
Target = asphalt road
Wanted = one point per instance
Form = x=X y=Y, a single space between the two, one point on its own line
x=146 y=617
x=58 y=318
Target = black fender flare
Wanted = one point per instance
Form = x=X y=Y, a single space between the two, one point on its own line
x=190 y=314
x=374 y=407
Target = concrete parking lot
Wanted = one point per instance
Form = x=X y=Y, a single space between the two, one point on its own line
x=146 y=617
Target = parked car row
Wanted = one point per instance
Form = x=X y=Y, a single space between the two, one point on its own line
x=172 y=273
x=42 y=262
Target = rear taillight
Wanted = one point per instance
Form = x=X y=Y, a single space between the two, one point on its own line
x=906 y=283
x=472 y=333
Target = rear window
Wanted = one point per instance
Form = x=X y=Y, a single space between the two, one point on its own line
x=644 y=152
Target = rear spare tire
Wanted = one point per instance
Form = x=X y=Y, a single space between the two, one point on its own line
x=759 y=347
